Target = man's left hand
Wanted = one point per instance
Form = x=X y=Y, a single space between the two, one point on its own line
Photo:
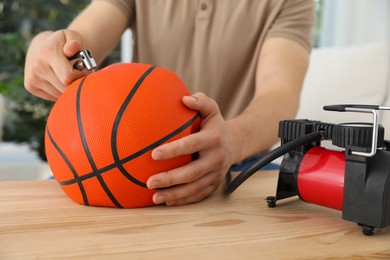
x=198 y=179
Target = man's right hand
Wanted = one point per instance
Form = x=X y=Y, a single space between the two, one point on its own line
x=48 y=71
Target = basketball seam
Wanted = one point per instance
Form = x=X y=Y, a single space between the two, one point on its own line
x=86 y=147
x=72 y=169
x=117 y=121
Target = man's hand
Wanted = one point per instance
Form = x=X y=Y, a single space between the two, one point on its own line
x=198 y=179
x=48 y=71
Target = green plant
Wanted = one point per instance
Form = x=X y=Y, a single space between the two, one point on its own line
x=20 y=20
x=26 y=114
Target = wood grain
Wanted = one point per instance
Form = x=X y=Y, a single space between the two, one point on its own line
x=38 y=221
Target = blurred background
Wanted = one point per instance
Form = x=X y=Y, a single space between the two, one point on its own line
x=23 y=117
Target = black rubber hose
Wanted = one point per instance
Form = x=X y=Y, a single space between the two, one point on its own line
x=269 y=157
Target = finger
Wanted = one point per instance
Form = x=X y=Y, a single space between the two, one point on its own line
x=202 y=103
x=185 y=174
x=193 y=198
x=62 y=67
x=187 y=193
x=73 y=42
x=186 y=145
x=44 y=95
x=43 y=82
x=44 y=89
x=47 y=91
x=65 y=72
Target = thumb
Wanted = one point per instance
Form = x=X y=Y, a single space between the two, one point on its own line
x=205 y=105
x=73 y=42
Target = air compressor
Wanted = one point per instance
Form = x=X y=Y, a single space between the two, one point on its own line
x=354 y=178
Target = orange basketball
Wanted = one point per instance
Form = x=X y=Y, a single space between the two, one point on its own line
x=101 y=131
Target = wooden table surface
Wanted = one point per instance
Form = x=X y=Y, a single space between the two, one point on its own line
x=38 y=221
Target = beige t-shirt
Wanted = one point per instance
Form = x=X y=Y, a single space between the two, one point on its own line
x=213 y=45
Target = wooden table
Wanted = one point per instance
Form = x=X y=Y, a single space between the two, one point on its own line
x=38 y=221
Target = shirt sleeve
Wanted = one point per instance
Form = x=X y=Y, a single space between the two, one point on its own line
x=295 y=21
x=126 y=6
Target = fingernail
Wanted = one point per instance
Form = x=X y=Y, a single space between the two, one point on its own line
x=159 y=200
x=157 y=155
x=194 y=98
x=154 y=185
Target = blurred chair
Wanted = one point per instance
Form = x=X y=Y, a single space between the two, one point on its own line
x=347 y=75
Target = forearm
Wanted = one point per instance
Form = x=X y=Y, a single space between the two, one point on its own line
x=280 y=73
x=256 y=129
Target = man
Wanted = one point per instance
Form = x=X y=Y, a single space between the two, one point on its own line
x=244 y=60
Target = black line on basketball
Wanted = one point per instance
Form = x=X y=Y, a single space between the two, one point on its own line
x=135 y=155
x=70 y=166
x=86 y=148
x=81 y=129
x=117 y=121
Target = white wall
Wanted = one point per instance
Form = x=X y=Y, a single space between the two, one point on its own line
x=353 y=22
